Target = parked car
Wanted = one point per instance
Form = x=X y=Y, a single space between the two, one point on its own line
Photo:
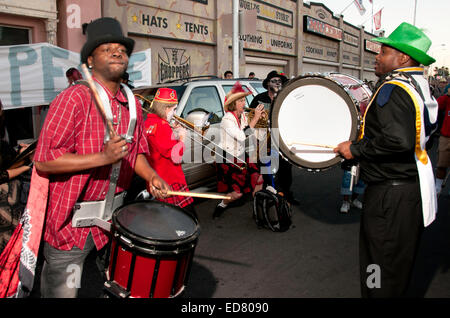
x=200 y=101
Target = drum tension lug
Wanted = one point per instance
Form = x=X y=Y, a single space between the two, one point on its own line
x=115 y=290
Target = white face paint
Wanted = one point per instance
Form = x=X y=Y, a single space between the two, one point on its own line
x=170 y=112
x=275 y=84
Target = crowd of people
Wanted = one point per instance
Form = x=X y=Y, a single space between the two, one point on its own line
x=75 y=151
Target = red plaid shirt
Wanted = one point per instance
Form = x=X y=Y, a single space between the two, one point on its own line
x=74 y=125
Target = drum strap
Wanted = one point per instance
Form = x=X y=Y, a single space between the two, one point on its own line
x=107 y=207
x=424 y=168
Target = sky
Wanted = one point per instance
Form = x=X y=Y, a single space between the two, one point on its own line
x=432 y=16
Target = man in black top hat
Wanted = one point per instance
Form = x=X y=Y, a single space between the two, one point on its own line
x=283 y=178
x=73 y=153
x=273 y=84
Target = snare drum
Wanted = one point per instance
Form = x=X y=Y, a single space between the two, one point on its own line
x=152 y=250
x=314 y=113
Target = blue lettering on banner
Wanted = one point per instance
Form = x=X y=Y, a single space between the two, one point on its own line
x=49 y=72
x=32 y=56
x=135 y=75
x=35 y=73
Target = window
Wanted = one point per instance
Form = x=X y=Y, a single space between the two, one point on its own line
x=248 y=98
x=14 y=36
x=258 y=87
x=19 y=122
x=204 y=99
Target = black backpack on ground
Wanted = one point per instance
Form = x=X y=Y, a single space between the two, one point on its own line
x=271 y=210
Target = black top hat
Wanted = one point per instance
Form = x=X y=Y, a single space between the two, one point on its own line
x=104 y=30
x=272 y=75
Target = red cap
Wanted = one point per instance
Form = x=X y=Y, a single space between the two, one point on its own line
x=166 y=95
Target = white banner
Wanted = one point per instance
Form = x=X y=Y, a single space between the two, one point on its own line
x=33 y=74
x=360 y=6
x=377 y=20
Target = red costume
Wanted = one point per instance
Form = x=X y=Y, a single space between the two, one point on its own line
x=166 y=151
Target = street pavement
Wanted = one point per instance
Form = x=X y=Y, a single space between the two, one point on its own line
x=316 y=258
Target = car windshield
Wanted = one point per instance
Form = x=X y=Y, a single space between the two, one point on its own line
x=180 y=90
x=248 y=98
x=258 y=87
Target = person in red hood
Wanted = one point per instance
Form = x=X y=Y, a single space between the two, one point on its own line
x=166 y=145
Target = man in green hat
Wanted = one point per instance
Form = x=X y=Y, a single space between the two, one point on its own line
x=400 y=198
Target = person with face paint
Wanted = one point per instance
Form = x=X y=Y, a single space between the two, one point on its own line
x=273 y=83
x=166 y=145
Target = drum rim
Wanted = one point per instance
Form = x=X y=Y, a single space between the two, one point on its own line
x=336 y=87
x=363 y=85
x=151 y=245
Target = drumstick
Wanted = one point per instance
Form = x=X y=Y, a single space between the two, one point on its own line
x=309 y=144
x=112 y=132
x=199 y=195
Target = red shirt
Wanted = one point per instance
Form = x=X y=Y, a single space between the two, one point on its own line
x=74 y=125
x=444 y=107
x=165 y=156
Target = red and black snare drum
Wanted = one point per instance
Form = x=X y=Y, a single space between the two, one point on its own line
x=152 y=250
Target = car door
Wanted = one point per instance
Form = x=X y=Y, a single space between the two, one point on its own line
x=202 y=103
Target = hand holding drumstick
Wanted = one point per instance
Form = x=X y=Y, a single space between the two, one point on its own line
x=344 y=150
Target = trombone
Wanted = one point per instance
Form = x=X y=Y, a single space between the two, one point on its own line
x=199 y=131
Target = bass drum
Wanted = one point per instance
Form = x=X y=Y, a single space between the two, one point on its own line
x=314 y=113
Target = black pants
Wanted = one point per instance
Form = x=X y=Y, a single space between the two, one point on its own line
x=283 y=178
x=391 y=227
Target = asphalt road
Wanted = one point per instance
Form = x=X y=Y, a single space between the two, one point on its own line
x=316 y=258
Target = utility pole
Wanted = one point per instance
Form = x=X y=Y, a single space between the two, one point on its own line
x=236 y=38
x=415 y=10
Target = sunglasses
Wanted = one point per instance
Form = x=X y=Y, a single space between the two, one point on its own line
x=275 y=81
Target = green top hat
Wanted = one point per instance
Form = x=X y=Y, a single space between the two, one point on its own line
x=410 y=40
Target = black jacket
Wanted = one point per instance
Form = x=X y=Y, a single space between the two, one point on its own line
x=261 y=98
x=387 y=149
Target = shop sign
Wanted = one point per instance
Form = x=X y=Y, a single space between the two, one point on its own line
x=351 y=39
x=315 y=26
x=372 y=46
x=156 y=22
x=268 y=42
x=320 y=52
x=369 y=62
x=173 y=64
x=269 y=12
x=350 y=58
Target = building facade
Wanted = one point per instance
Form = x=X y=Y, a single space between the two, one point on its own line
x=190 y=38
x=194 y=37
x=58 y=22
